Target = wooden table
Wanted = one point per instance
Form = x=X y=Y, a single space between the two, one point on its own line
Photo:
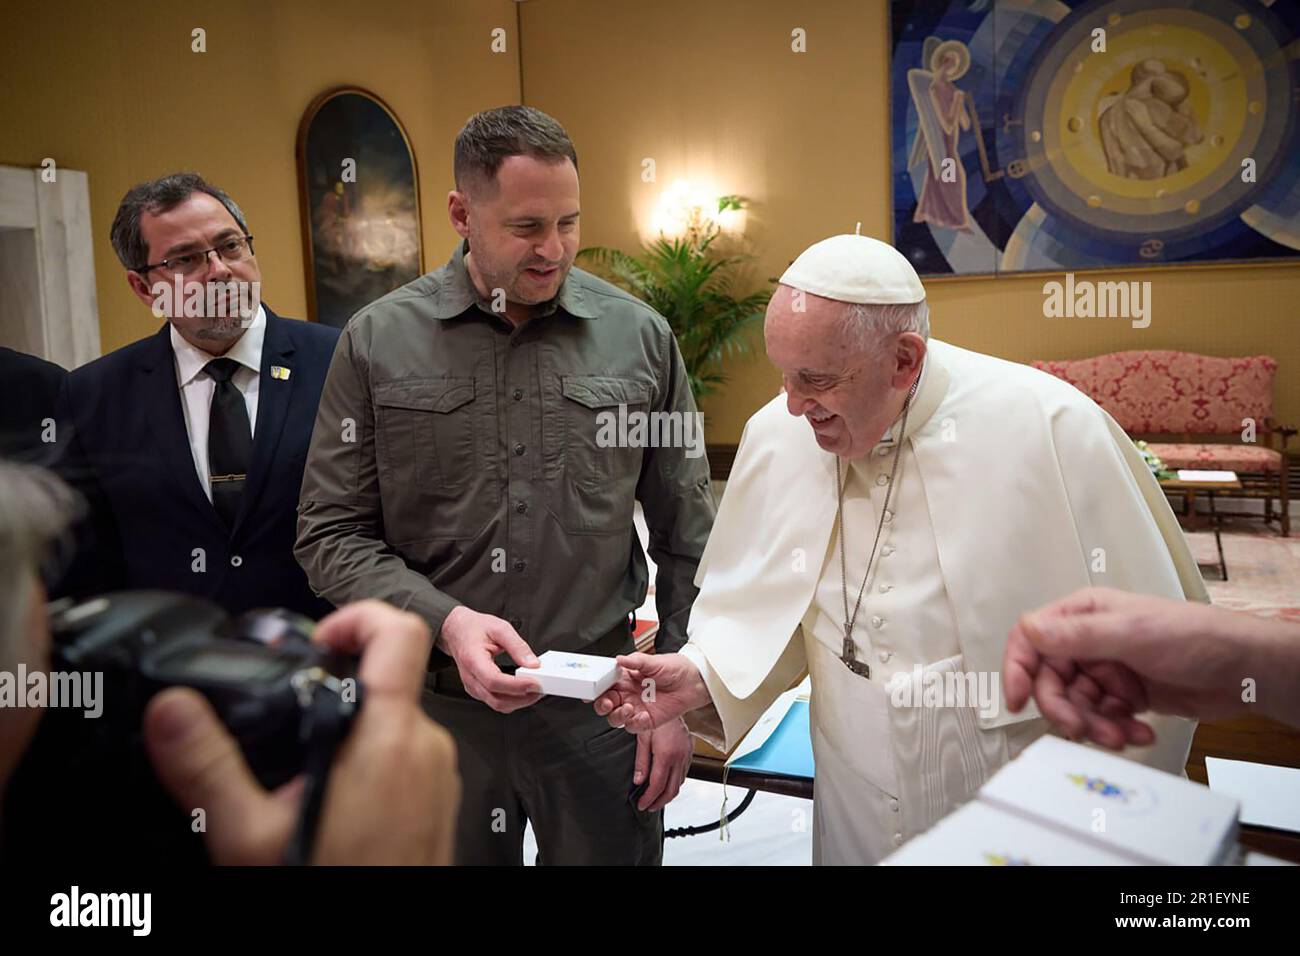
x=1189 y=491
x=1259 y=740
x=710 y=769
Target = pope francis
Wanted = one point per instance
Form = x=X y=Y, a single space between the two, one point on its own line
x=886 y=521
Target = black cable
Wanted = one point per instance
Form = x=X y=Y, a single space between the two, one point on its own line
x=710 y=827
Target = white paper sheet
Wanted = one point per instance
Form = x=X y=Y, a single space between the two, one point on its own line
x=1270 y=796
x=770 y=720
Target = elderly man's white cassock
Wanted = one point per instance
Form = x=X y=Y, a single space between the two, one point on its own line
x=1013 y=489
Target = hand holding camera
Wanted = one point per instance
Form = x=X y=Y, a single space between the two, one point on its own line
x=394 y=757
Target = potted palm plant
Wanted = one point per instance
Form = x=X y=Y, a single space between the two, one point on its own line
x=692 y=285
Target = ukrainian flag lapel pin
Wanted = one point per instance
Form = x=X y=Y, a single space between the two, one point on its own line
x=280 y=373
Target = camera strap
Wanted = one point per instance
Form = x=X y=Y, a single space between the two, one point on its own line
x=328 y=710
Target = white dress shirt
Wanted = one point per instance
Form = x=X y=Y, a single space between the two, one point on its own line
x=197 y=387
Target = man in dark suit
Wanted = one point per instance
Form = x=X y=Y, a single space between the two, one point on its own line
x=189 y=444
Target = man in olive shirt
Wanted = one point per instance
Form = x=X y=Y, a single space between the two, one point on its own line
x=459 y=469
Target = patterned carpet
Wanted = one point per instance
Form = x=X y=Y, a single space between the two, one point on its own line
x=1263 y=569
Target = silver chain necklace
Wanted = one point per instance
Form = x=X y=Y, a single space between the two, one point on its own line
x=849 y=655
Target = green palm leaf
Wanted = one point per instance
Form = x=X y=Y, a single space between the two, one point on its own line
x=694 y=288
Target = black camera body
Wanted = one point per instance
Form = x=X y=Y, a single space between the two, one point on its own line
x=252 y=668
x=260 y=671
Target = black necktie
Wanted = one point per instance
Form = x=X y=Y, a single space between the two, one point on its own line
x=230 y=439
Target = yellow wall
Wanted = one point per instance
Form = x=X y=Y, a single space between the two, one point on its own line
x=709 y=90
x=114 y=89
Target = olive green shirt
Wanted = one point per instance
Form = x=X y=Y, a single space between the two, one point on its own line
x=457 y=459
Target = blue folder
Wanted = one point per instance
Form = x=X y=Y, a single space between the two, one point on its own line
x=788 y=751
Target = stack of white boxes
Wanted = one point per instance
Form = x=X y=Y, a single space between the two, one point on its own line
x=1062 y=804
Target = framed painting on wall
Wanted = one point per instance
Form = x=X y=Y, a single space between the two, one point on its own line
x=1094 y=134
x=360 y=202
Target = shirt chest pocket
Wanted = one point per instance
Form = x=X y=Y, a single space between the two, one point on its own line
x=606 y=429
x=425 y=432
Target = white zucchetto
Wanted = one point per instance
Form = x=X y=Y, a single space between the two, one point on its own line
x=852 y=268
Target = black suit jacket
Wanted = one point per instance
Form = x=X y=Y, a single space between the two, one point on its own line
x=28 y=389
x=123 y=444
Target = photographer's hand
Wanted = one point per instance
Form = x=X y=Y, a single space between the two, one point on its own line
x=393 y=789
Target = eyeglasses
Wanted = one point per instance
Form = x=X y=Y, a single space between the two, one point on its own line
x=234 y=249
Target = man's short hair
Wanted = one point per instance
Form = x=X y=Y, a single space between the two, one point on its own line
x=488 y=138
x=154 y=197
x=36 y=508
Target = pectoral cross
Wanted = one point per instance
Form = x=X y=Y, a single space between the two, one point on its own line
x=850 y=657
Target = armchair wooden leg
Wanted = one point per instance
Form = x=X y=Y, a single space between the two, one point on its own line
x=1284 y=501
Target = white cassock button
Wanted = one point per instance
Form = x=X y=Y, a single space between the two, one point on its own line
x=236 y=561
x=893 y=805
x=882 y=479
x=877 y=621
x=884 y=657
x=886 y=588
x=886 y=551
x=882 y=451
x=898 y=839
x=889 y=516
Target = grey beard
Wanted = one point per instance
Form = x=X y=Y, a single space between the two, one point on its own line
x=221 y=330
